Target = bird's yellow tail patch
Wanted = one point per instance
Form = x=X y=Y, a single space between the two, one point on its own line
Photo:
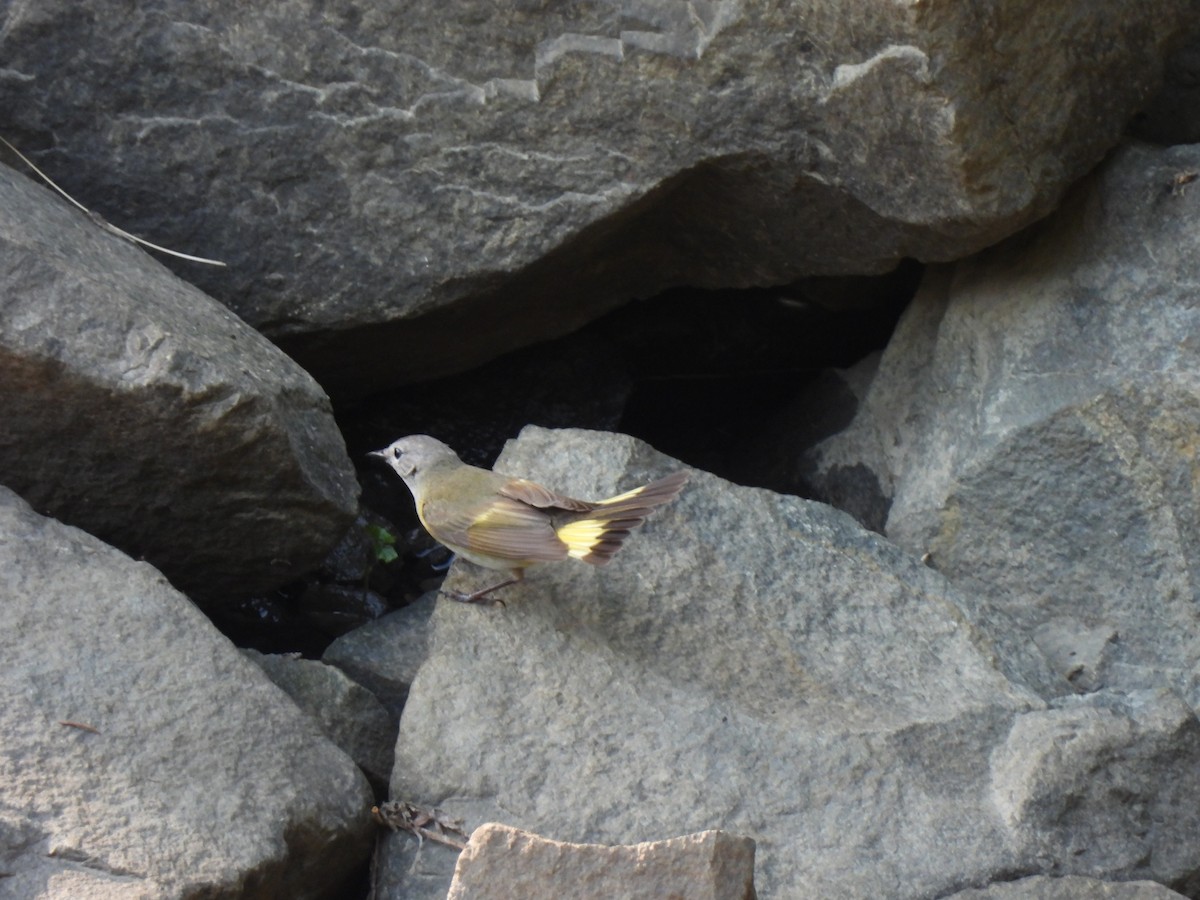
x=596 y=535
x=582 y=536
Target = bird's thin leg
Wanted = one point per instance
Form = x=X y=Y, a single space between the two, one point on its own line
x=482 y=596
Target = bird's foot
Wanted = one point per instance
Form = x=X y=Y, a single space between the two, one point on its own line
x=483 y=598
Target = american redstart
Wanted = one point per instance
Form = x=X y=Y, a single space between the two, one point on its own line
x=500 y=522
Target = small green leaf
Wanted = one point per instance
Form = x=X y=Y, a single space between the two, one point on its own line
x=381 y=536
x=382 y=544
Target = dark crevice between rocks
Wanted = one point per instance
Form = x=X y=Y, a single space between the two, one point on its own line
x=736 y=221
x=698 y=374
x=735 y=382
x=1171 y=117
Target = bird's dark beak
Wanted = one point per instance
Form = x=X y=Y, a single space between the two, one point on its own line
x=378 y=454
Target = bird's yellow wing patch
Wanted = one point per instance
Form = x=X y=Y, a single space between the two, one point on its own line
x=628 y=495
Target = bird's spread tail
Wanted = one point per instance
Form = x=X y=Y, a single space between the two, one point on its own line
x=596 y=535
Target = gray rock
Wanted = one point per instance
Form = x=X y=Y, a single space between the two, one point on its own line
x=349 y=714
x=384 y=655
x=863 y=460
x=506 y=862
x=1080 y=653
x=749 y=662
x=1035 y=419
x=405 y=869
x=760 y=664
x=774 y=454
x=1070 y=887
x=141 y=755
x=458 y=178
x=1104 y=786
x=146 y=413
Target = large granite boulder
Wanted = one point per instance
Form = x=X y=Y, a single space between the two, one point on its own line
x=763 y=665
x=476 y=178
x=141 y=754
x=347 y=713
x=1033 y=427
x=151 y=416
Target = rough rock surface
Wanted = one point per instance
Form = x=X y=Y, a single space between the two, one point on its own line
x=1088 y=786
x=1070 y=887
x=141 y=755
x=349 y=714
x=481 y=179
x=384 y=655
x=144 y=412
x=760 y=664
x=1034 y=424
x=501 y=861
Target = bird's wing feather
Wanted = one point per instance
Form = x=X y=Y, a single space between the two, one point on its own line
x=534 y=494
x=503 y=527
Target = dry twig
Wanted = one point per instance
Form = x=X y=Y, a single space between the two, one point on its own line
x=400 y=815
x=1181 y=180
x=99 y=220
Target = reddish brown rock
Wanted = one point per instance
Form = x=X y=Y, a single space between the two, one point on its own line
x=501 y=861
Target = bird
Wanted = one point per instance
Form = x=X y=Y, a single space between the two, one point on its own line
x=500 y=522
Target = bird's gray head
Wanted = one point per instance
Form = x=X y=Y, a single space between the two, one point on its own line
x=412 y=455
